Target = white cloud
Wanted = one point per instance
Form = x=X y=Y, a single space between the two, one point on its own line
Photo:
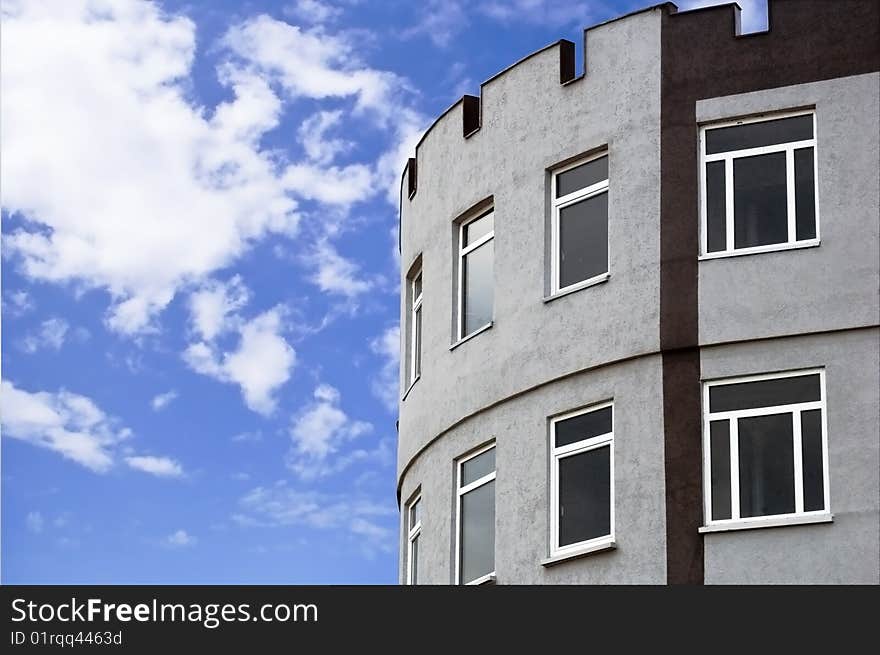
x=318 y=431
x=334 y=273
x=180 y=539
x=163 y=467
x=74 y=427
x=17 y=303
x=331 y=185
x=211 y=306
x=260 y=364
x=248 y=437
x=440 y=21
x=34 y=522
x=160 y=401
x=753 y=16
x=386 y=385
x=67 y=423
x=280 y=506
x=313 y=11
x=51 y=335
x=313 y=137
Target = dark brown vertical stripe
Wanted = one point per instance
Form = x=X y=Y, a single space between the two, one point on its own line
x=411 y=176
x=701 y=57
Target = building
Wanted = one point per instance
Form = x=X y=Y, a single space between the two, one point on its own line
x=640 y=326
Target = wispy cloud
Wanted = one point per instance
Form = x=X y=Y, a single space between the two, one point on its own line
x=161 y=401
x=50 y=335
x=71 y=425
x=180 y=539
x=386 y=385
x=34 y=522
x=163 y=467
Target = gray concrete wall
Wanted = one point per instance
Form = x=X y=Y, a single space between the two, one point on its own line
x=520 y=428
x=531 y=122
x=848 y=549
x=834 y=285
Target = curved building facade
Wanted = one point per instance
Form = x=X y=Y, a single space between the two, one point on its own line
x=639 y=309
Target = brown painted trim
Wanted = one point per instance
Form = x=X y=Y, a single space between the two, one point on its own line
x=704 y=56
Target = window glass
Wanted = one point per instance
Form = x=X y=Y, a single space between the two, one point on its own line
x=477 y=467
x=417 y=286
x=584 y=496
x=417 y=335
x=583 y=240
x=764 y=393
x=478 y=532
x=805 y=193
x=414 y=554
x=762 y=133
x=760 y=204
x=814 y=480
x=583 y=426
x=766 y=465
x=716 y=203
x=414 y=514
x=478 y=228
x=581 y=176
x=477 y=279
x=720 y=447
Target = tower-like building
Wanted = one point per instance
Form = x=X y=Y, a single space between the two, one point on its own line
x=640 y=326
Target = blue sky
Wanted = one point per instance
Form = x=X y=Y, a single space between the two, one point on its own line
x=199 y=275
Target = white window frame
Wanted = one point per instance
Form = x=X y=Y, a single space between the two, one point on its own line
x=462 y=252
x=415 y=372
x=413 y=533
x=460 y=492
x=799 y=515
x=558 y=204
x=729 y=157
x=558 y=453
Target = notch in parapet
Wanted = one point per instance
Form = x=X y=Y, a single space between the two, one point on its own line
x=470 y=115
x=412 y=172
x=566 y=61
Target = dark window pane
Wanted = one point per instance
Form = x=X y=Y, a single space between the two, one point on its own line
x=764 y=393
x=584 y=496
x=478 y=532
x=415 y=560
x=478 y=288
x=805 y=194
x=583 y=240
x=811 y=444
x=478 y=228
x=766 y=465
x=414 y=514
x=719 y=437
x=583 y=426
x=754 y=135
x=581 y=176
x=476 y=467
x=760 y=200
x=417 y=353
x=716 y=204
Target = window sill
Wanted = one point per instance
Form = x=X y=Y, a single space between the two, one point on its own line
x=776 y=247
x=769 y=522
x=598 y=547
x=471 y=335
x=409 y=388
x=586 y=284
x=483 y=579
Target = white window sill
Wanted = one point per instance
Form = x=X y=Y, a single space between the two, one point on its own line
x=472 y=335
x=776 y=247
x=588 y=549
x=586 y=284
x=409 y=388
x=768 y=522
x=483 y=579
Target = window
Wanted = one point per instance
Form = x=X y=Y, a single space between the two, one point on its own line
x=475 y=274
x=414 y=531
x=582 y=480
x=415 y=326
x=475 y=560
x=765 y=448
x=758 y=180
x=579 y=230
